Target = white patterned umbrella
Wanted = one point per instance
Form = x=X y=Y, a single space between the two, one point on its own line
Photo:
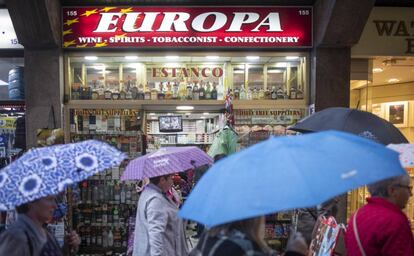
x=48 y=171
x=406 y=151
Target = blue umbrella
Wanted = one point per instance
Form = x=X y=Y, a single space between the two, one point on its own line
x=286 y=173
x=47 y=171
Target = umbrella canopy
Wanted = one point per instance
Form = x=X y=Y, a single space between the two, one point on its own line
x=48 y=171
x=354 y=121
x=406 y=153
x=165 y=161
x=286 y=173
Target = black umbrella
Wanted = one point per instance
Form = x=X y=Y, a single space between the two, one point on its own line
x=354 y=121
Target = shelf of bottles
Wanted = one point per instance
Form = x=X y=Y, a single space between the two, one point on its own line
x=255 y=125
x=187 y=78
x=103 y=212
x=277 y=229
x=197 y=130
x=118 y=127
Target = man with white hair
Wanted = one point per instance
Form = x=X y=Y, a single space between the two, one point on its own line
x=380 y=227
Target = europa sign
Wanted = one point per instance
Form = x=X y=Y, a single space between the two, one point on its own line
x=266 y=27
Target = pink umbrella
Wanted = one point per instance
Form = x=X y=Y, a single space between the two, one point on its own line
x=406 y=153
x=165 y=161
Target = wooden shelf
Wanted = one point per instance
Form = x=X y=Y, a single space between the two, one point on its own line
x=169 y=105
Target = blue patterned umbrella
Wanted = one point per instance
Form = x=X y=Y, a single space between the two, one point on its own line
x=48 y=171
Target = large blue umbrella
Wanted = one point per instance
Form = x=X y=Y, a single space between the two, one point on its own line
x=47 y=171
x=286 y=173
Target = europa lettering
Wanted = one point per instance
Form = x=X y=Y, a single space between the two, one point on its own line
x=181 y=21
x=187 y=72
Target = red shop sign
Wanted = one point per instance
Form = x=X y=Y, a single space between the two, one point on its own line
x=221 y=27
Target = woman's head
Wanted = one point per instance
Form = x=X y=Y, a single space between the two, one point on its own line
x=40 y=210
x=164 y=182
x=253 y=228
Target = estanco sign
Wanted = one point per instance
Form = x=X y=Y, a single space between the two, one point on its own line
x=266 y=27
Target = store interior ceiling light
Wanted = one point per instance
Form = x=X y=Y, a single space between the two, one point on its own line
x=91 y=57
x=393 y=80
x=152 y=114
x=206 y=113
x=252 y=57
x=281 y=64
x=238 y=71
x=172 y=57
x=275 y=71
x=212 y=57
x=131 y=57
x=184 y=107
x=292 y=57
x=377 y=70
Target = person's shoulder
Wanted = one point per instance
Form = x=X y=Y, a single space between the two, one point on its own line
x=228 y=247
x=14 y=235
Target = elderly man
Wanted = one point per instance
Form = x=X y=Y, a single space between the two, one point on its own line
x=380 y=227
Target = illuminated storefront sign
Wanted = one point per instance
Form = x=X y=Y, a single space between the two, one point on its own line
x=266 y=27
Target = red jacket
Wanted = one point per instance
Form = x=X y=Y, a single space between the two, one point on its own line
x=383 y=229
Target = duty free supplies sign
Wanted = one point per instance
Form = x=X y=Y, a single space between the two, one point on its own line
x=152 y=27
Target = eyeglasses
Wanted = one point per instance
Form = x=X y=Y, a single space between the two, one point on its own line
x=410 y=188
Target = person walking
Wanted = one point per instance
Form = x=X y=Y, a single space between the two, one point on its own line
x=158 y=230
x=28 y=236
x=380 y=227
x=242 y=238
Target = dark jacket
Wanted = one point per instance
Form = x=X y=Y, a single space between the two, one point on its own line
x=22 y=238
x=235 y=244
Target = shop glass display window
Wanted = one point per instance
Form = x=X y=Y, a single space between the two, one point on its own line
x=186 y=77
x=6 y=66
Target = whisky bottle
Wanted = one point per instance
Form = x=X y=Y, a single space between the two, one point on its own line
x=168 y=93
x=236 y=93
x=196 y=92
x=201 y=92
x=214 y=92
x=292 y=93
x=280 y=94
x=243 y=94
x=208 y=91
x=273 y=94
x=189 y=91
x=261 y=94
x=255 y=94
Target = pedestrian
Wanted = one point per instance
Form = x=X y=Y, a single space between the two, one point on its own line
x=242 y=238
x=28 y=236
x=380 y=227
x=158 y=230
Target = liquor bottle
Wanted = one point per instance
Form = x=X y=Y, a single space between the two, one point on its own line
x=267 y=94
x=134 y=92
x=236 y=93
x=214 y=92
x=75 y=91
x=147 y=93
x=208 y=91
x=93 y=236
x=104 y=214
x=110 y=238
x=161 y=94
x=201 y=92
x=117 y=193
x=154 y=94
x=128 y=195
x=122 y=95
x=80 y=123
x=255 y=94
x=99 y=239
x=182 y=91
x=196 y=92
x=88 y=236
x=84 y=192
x=273 y=94
x=128 y=95
x=95 y=194
x=175 y=91
x=104 y=238
x=299 y=94
x=108 y=94
x=141 y=94
x=101 y=192
x=115 y=214
x=249 y=94
x=292 y=93
x=123 y=194
x=261 y=94
x=280 y=94
x=243 y=95
x=189 y=92
x=168 y=93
